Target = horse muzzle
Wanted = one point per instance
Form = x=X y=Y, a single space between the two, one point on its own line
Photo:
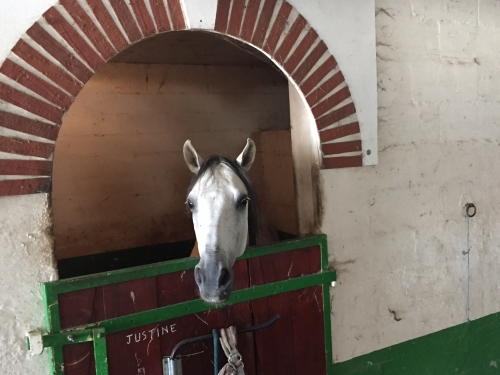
x=214 y=279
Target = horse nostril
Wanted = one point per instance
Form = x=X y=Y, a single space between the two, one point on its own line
x=198 y=276
x=224 y=277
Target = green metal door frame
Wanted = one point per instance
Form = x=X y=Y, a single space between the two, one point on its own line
x=56 y=338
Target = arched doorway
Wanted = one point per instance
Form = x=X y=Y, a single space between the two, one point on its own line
x=119 y=177
x=59 y=54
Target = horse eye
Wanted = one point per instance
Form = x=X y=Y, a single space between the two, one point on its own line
x=190 y=204
x=243 y=201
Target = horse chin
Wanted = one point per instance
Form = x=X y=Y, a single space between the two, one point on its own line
x=216 y=300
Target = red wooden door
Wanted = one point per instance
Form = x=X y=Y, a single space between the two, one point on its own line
x=292 y=345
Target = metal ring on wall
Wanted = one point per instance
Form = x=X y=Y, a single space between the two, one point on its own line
x=470 y=209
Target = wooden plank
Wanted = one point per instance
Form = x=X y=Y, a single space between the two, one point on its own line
x=79 y=359
x=175 y=288
x=306 y=261
x=277 y=339
x=283 y=266
x=307 y=315
x=137 y=348
x=308 y=326
x=240 y=316
x=75 y=309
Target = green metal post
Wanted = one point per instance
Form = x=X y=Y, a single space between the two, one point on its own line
x=100 y=352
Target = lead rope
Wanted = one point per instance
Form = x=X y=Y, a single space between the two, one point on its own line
x=234 y=364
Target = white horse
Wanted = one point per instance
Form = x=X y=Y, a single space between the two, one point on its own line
x=225 y=215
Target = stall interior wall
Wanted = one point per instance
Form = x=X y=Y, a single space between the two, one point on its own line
x=119 y=177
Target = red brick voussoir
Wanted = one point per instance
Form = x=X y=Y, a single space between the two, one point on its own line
x=30 y=103
x=126 y=20
x=14 y=167
x=61 y=54
x=24 y=186
x=89 y=28
x=71 y=36
x=28 y=126
x=47 y=68
x=29 y=80
x=25 y=147
x=143 y=18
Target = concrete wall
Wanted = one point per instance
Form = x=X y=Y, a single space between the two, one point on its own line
x=119 y=178
x=26 y=259
x=397 y=231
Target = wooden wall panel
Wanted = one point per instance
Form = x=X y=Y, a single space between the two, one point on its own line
x=119 y=178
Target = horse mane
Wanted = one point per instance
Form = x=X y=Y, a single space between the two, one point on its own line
x=254 y=217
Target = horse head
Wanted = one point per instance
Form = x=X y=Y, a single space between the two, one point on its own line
x=224 y=209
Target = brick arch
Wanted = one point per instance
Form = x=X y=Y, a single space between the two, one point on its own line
x=53 y=60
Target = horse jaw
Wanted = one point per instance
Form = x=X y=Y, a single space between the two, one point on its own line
x=221 y=231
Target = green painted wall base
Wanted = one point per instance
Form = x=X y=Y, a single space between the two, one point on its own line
x=471 y=348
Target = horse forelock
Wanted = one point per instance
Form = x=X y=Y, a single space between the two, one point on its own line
x=209 y=166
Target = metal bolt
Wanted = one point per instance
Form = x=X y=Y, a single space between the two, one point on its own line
x=332 y=284
x=70 y=338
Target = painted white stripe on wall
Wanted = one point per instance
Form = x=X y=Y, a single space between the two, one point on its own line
x=15 y=134
x=348 y=120
x=11 y=178
x=347 y=138
x=11 y=156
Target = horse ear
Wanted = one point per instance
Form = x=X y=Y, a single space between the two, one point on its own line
x=193 y=160
x=247 y=156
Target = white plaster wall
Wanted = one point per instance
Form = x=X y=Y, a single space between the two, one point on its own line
x=397 y=231
x=26 y=260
